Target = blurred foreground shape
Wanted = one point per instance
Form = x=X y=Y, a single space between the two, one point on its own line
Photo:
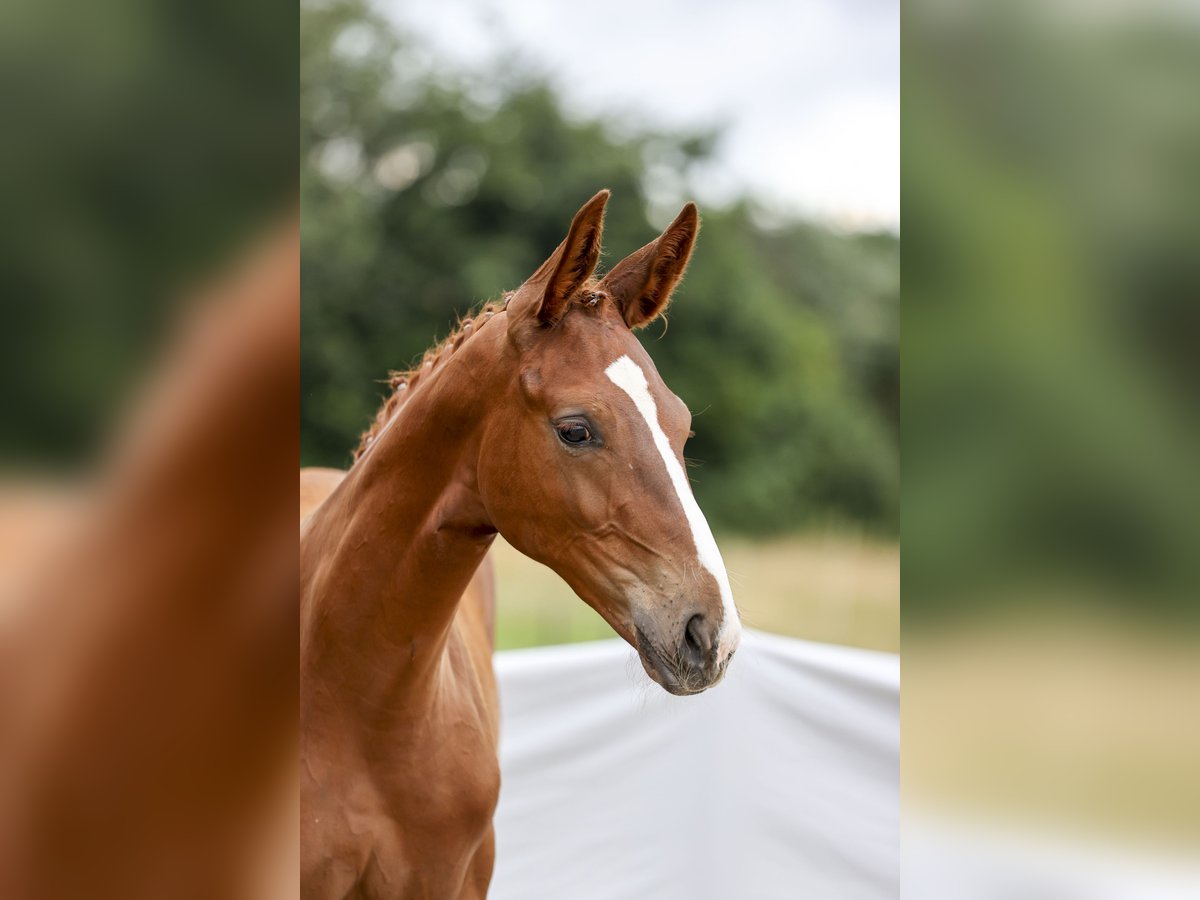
x=149 y=281
x=148 y=652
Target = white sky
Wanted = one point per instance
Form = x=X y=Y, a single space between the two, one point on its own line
x=809 y=90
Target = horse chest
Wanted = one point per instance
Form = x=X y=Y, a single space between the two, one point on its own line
x=439 y=811
x=448 y=785
x=411 y=815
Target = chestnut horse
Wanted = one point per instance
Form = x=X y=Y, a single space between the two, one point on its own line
x=546 y=421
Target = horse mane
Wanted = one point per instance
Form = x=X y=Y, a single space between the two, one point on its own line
x=403 y=383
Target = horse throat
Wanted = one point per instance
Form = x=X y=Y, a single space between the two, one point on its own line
x=386 y=558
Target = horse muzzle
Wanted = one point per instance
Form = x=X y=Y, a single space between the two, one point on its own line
x=690 y=663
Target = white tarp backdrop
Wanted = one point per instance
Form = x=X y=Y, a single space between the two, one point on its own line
x=781 y=782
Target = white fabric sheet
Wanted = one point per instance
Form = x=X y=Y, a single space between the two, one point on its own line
x=782 y=782
x=951 y=858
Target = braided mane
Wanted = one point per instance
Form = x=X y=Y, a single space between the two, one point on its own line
x=402 y=384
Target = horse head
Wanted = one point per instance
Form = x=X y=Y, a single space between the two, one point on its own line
x=583 y=467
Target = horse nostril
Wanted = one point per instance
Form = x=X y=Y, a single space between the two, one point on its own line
x=697 y=639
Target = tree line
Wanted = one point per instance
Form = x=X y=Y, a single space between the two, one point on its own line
x=425 y=191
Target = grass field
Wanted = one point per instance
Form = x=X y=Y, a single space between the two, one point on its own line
x=832 y=588
x=1079 y=718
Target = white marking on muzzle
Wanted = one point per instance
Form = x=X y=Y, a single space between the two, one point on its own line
x=629 y=377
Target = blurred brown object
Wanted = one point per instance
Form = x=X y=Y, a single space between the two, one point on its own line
x=148 y=667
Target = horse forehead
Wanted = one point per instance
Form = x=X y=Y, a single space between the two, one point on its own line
x=669 y=410
x=583 y=347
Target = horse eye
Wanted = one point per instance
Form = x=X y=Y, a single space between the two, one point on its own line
x=573 y=433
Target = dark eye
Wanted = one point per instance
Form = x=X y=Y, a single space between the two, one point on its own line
x=573 y=432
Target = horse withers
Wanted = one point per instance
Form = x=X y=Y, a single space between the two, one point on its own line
x=542 y=419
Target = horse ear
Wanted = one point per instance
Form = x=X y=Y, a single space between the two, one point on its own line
x=548 y=290
x=642 y=283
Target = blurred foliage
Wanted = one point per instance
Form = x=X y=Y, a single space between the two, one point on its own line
x=142 y=142
x=425 y=191
x=1051 y=432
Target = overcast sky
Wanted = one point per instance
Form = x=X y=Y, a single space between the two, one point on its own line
x=809 y=89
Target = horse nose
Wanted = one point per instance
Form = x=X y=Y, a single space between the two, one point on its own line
x=699 y=639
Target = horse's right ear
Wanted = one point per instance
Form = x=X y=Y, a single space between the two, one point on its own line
x=549 y=290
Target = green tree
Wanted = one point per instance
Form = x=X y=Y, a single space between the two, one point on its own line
x=426 y=191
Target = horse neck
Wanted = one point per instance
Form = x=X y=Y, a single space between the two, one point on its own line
x=387 y=556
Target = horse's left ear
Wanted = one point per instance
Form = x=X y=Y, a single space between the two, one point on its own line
x=642 y=283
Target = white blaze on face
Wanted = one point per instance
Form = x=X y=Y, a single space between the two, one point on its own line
x=629 y=377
